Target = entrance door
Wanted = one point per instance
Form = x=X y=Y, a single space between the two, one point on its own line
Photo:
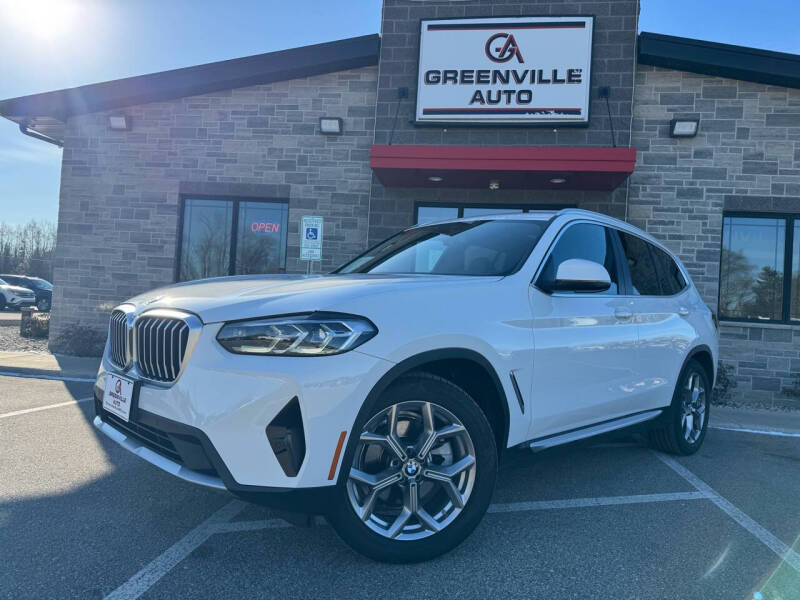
x=585 y=367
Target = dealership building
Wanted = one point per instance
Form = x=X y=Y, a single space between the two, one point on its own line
x=457 y=108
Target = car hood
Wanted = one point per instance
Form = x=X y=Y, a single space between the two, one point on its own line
x=243 y=297
x=15 y=289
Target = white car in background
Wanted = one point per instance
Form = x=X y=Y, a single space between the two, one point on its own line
x=382 y=394
x=15 y=296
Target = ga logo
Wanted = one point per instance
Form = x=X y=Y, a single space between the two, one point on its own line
x=502 y=47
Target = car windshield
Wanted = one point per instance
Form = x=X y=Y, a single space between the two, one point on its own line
x=483 y=247
x=41 y=284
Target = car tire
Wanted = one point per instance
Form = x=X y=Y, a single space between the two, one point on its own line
x=439 y=524
x=2 y=302
x=43 y=305
x=677 y=430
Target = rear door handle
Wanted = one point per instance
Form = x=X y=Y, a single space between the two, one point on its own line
x=683 y=311
x=623 y=314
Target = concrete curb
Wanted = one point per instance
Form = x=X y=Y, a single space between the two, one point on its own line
x=755 y=418
x=41 y=364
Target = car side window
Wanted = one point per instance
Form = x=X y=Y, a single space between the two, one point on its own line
x=644 y=277
x=589 y=242
x=669 y=274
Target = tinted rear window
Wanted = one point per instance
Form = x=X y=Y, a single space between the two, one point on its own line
x=644 y=276
x=669 y=274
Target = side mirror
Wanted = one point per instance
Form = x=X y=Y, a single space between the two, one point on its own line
x=582 y=276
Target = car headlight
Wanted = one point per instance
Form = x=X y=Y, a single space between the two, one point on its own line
x=315 y=334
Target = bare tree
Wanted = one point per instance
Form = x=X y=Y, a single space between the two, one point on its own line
x=28 y=249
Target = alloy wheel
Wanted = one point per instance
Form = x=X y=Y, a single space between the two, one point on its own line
x=413 y=471
x=694 y=408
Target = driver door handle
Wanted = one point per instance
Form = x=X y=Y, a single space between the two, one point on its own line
x=623 y=314
x=683 y=311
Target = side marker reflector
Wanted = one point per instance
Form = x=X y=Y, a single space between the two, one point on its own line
x=335 y=461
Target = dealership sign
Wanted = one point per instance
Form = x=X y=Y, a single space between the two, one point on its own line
x=523 y=70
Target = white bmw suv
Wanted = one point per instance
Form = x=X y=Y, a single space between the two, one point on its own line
x=382 y=394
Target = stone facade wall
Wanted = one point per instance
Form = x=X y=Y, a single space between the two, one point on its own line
x=746 y=157
x=120 y=191
x=613 y=65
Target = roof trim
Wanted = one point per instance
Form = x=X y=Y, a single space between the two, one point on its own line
x=721 y=60
x=283 y=65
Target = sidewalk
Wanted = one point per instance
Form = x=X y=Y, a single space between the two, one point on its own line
x=49 y=365
x=755 y=418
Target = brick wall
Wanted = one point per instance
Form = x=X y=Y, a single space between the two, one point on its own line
x=745 y=157
x=118 y=214
x=612 y=65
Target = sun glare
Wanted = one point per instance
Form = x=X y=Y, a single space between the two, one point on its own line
x=43 y=19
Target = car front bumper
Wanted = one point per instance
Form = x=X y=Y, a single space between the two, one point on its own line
x=20 y=301
x=209 y=426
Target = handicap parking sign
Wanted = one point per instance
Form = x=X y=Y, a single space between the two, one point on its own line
x=311 y=238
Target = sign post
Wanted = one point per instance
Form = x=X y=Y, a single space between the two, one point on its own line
x=310 y=239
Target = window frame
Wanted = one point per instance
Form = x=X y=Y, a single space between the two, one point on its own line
x=235 y=201
x=650 y=245
x=625 y=284
x=789 y=220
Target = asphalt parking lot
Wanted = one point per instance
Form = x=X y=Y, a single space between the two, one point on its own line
x=80 y=517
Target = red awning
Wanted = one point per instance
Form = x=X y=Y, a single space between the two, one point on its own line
x=513 y=167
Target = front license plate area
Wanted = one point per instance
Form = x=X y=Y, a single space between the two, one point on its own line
x=118 y=396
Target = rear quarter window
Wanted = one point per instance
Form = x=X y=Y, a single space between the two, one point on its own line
x=670 y=276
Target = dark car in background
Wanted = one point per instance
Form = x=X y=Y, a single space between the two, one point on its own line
x=42 y=289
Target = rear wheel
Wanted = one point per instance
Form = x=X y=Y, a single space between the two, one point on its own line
x=682 y=428
x=420 y=474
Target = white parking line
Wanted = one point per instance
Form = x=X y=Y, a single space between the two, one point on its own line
x=589 y=502
x=758 y=431
x=25 y=411
x=163 y=564
x=783 y=551
x=220 y=522
x=48 y=377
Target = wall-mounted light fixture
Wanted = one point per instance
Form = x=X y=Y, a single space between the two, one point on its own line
x=558 y=180
x=683 y=127
x=330 y=125
x=435 y=179
x=494 y=184
x=119 y=122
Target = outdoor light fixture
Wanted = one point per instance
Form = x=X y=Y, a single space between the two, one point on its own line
x=683 y=127
x=330 y=125
x=435 y=178
x=558 y=180
x=119 y=122
x=494 y=185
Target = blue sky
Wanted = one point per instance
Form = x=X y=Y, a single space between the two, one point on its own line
x=53 y=44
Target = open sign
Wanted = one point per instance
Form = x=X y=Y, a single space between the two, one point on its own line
x=261 y=227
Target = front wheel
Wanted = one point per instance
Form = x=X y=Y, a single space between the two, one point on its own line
x=420 y=474
x=682 y=428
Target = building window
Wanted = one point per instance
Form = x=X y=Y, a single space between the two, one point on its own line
x=758 y=252
x=222 y=236
x=431 y=213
